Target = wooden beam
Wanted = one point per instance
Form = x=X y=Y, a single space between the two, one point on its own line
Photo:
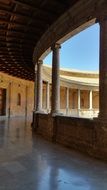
x=34 y=8
x=61 y=3
x=39 y=28
x=11 y=37
x=24 y=16
x=13 y=51
x=16 y=42
x=15 y=56
x=18 y=32
x=25 y=65
x=18 y=47
x=13 y=13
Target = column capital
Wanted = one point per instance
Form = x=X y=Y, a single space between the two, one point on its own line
x=47 y=82
x=40 y=62
x=101 y=18
x=55 y=46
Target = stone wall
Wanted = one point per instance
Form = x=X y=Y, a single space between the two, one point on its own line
x=86 y=135
x=15 y=86
x=89 y=136
x=44 y=125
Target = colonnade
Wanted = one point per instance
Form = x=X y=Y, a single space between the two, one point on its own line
x=55 y=104
x=71 y=106
x=68 y=105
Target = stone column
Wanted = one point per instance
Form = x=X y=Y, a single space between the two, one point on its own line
x=39 y=86
x=35 y=88
x=9 y=100
x=103 y=70
x=79 y=99
x=90 y=100
x=55 y=80
x=47 y=96
x=33 y=124
x=67 y=100
x=26 y=100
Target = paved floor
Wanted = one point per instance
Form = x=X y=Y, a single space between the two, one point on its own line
x=28 y=162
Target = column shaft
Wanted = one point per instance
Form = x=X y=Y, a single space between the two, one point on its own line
x=26 y=100
x=47 y=96
x=9 y=102
x=67 y=101
x=90 y=100
x=35 y=88
x=39 y=86
x=55 y=79
x=79 y=99
x=103 y=70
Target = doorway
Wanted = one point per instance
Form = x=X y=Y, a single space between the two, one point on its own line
x=2 y=101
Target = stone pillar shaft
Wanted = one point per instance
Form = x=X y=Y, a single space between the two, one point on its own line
x=55 y=79
x=67 y=101
x=79 y=99
x=39 y=86
x=90 y=100
x=35 y=88
x=26 y=100
x=103 y=70
x=47 y=96
x=9 y=103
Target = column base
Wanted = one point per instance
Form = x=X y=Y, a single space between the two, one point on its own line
x=40 y=111
x=67 y=111
x=34 y=123
x=56 y=113
x=33 y=119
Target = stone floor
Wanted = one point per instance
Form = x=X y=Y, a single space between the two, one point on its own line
x=28 y=162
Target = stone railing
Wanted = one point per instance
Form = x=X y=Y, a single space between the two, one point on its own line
x=84 y=134
x=84 y=113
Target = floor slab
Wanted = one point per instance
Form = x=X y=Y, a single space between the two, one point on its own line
x=28 y=162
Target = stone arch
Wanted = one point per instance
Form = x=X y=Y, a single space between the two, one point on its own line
x=82 y=15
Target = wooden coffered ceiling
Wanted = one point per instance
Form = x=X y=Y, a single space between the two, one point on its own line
x=22 y=23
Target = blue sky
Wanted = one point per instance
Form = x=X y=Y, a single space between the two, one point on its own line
x=81 y=51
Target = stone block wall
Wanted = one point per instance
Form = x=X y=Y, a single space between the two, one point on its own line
x=74 y=132
x=44 y=125
x=86 y=135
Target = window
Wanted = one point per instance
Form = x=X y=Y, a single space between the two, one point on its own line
x=19 y=99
